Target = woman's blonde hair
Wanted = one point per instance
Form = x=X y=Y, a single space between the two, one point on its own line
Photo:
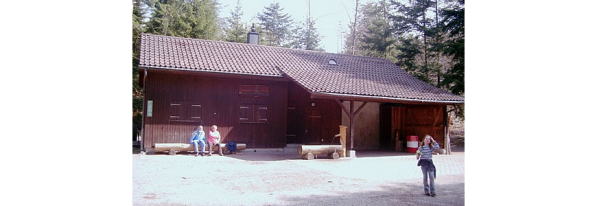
x=422 y=143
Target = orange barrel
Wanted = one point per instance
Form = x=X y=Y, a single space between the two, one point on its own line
x=412 y=144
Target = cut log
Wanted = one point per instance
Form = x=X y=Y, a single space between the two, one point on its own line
x=309 y=156
x=318 y=149
x=185 y=147
x=334 y=155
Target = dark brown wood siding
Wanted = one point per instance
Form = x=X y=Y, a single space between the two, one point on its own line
x=216 y=101
x=310 y=124
x=408 y=120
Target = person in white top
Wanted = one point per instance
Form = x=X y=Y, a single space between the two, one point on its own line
x=214 y=139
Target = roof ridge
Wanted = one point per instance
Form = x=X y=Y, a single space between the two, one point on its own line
x=273 y=47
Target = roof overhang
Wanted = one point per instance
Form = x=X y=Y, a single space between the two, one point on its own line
x=365 y=98
x=216 y=73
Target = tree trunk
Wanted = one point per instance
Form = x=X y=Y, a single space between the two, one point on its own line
x=354 y=28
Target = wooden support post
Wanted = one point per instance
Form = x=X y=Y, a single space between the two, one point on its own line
x=448 y=119
x=351 y=115
x=351 y=133
x=343 y=107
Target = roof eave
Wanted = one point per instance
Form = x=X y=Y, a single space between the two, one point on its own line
x=204 y=71
x=326 y=95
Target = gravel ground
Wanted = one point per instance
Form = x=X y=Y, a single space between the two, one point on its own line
x=277 y=178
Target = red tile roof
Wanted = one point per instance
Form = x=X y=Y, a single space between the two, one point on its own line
x=352 y=76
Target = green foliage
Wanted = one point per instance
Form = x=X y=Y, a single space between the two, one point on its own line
x=138 y=28
x=377 y=39
x=274 y=25
x=182 y=18
x=306 y=37
x=424 y=38
x=235 y=30
x=204 y=19
x=411 y=18
x=453 y=23
x=409 y=56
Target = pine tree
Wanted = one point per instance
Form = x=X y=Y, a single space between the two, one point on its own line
x=377 y=39
x=168 y=20
x=412 y=18
x=275 y=25
x=138 y=28
x=305 y=37
x=204 y=19
x=182 y=18
x=410 y=55
x=236 y=31
x=362 y=23
x=453 y=24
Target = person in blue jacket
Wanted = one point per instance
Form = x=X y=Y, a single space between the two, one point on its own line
x=198 y=138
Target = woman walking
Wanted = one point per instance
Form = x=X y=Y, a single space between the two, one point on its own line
x=424 y=153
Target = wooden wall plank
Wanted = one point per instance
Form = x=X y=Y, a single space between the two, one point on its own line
x=220 y=102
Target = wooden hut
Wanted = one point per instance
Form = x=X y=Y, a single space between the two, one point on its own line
x=268 y=97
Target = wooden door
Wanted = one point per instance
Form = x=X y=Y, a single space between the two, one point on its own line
x=313 y=128
x=293 y=124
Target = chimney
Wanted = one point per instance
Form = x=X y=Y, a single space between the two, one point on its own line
x=253 y=37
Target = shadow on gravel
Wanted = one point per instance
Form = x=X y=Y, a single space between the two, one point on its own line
x=406 y=194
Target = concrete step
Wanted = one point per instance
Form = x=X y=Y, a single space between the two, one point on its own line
x=292 y=145
x=291 y=148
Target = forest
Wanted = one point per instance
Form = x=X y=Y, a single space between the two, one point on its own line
x=423 y=37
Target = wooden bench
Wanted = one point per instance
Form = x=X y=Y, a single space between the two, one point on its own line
x=173 y=148
x=309 y=152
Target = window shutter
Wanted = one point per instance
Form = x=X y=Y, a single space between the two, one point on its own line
x=246 y=113
x=261 y=113
x=195 y=111
x=176 y=109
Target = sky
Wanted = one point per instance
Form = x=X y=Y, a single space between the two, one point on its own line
x=330 y=16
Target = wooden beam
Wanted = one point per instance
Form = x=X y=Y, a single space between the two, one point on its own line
x=359 y=109
x=343 y=107
x=351 y=126
x=448 y=119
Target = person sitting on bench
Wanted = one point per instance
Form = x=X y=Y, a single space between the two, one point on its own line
x=198 y=138
x=214 y=139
